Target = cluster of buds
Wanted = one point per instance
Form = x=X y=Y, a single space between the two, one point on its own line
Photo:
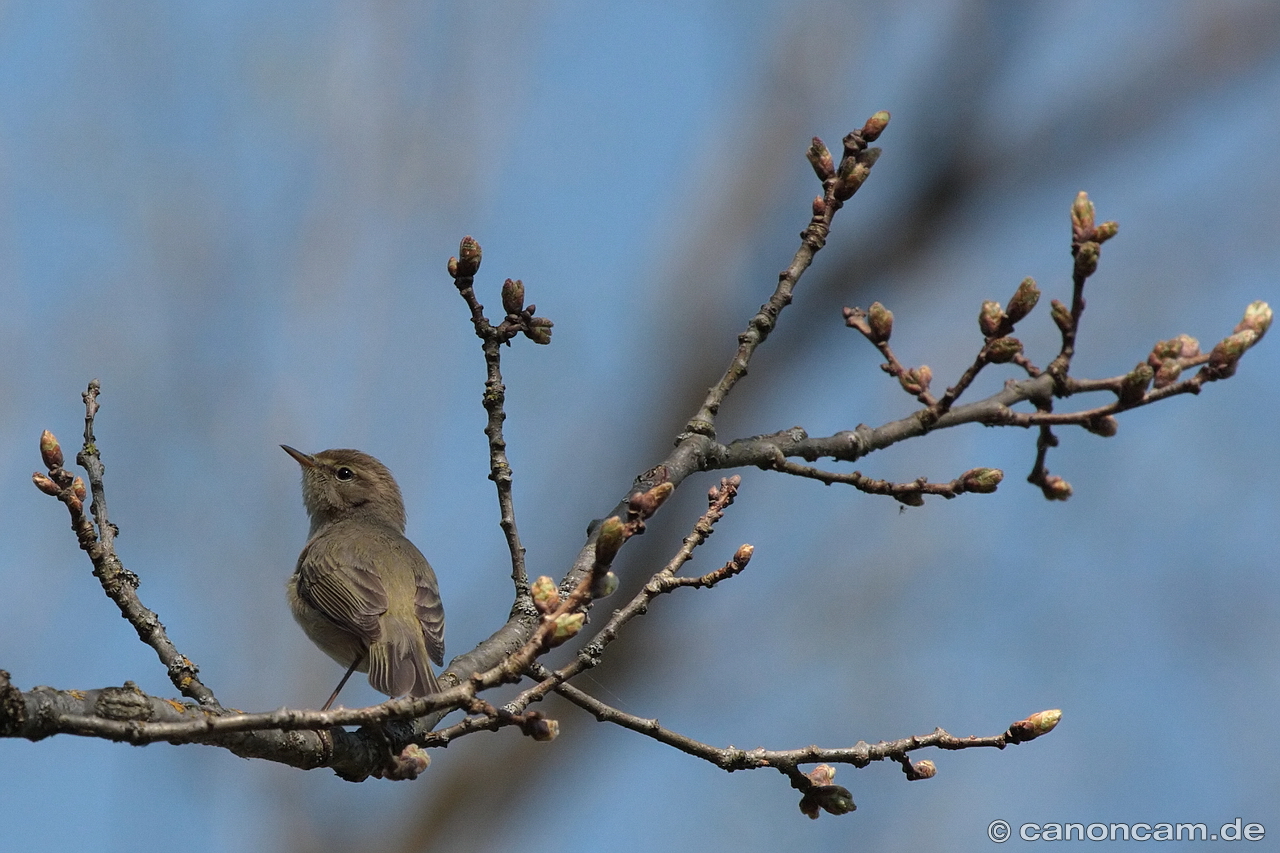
x=546 y=598
x=1167 y=358
x=1086 y=237
x=59 y=482
x=822 y=795
x=843 y=180
x=467 y=264
x=1003 y=350
x=915 y=380
x=520 y=316
x=1226 y=355
x=996 y=322
x=1039 y=723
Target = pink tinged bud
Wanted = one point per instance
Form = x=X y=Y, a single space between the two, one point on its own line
x=50 y=450
x=44 y=484
x=1257 y=318
x=990 y=317
x=880 y=319
x=1229 y=349
x=820 y=158
x=1039 y=723
x=1003 y=350
x=78 y=489
x=1106 y=231
x=823 y=774
x=916 y=380
x=545 y=595
x=983 y=481
x=1024 y=299
x=819 y=206
x=1061 y=315
x=513 y=296
x=1082 y=212
x=1167 y=372
x=875 y=126
x=469 y=255
x=452 y=267
x=856 y=318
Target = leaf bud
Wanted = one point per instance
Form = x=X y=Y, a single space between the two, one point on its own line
x=539 y=330
x=1003 y=350
x=1082 y=212
x=1039 y=723
x=1167 y=372
x=1105 y=426
x=1256 y=317
x=1024 y=299
x=545 y=595
x=820 y=158
x=609 y=540
x=982 y=481
x=604 y=585
x=50 y=450
x=880 y=319
x=1106 y=231
x=44 y=484
x=1061 y=315
x=875 y=125
x=513 y=296
x=567 y=625
x=1135 y=383
x=990 y=317
x=469 y=255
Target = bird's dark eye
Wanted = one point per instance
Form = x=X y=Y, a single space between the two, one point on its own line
x=345 y=474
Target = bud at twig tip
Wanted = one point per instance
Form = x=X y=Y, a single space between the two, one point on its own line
x=880 y=320
x=50 y=450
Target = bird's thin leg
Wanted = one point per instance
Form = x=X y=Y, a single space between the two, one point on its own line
x=343 y=683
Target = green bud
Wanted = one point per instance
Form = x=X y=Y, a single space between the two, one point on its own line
x=567 y=625
x=609 y=540
x=875 y=126
x=1135 y=384
x=1167 y=372
x=1087 y=259
x=880 y=319
x=1003 y=350
x=1039 y=723
x=1024 y=299
x=982 y=481
x=539 y=330
x=545 y=595
x=604 y=585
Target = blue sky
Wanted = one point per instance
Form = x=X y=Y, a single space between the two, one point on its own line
x=237 y=218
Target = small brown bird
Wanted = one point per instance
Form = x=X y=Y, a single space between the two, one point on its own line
x=361 y=591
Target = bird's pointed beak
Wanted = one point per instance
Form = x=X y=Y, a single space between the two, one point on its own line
x=303 y=459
